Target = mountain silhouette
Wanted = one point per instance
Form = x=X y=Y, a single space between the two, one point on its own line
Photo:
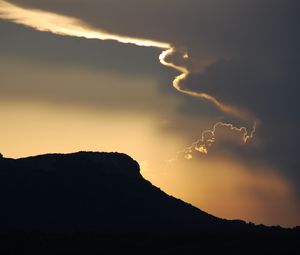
x=99 y=203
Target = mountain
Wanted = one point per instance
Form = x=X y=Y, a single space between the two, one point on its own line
x=99 y=203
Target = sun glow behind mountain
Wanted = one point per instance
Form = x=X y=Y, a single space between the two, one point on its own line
x=60 y=92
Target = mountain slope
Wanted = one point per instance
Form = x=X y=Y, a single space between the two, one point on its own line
x=88 y=191
x=102 y=197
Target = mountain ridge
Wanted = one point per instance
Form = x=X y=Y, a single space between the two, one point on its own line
x=90 y=172
x=102 y=196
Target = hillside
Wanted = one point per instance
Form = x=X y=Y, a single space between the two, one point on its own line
x=68 y=202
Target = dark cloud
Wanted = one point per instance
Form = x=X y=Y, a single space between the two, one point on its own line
x=269 y=88
x=55 y=69
x=206 y=28
x=51 y=48
x=51 y=55
x=245 y=53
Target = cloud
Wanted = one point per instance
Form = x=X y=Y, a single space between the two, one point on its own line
x=68 y=26
x=221 y=135
x=243 y=54
x=64 y=25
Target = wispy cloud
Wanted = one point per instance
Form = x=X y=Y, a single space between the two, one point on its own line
x=69 y=26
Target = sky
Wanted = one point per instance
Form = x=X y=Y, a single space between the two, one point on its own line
x=203 y=94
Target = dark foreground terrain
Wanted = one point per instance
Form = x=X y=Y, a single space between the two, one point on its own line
x=98 y=203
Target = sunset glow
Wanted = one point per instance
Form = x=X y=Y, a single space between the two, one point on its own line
x=63 y=25
x=98 y=76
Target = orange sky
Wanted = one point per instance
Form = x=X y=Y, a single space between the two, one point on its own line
x=60 y=94
x=222 y=186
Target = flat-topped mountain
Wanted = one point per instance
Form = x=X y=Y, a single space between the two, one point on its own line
x=102 y=200
x=88 y=191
